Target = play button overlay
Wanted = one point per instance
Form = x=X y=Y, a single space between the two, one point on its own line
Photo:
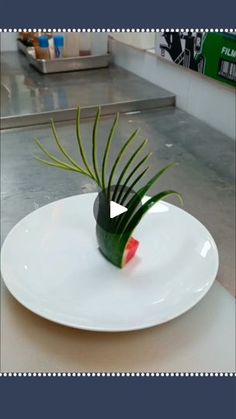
x=111 y=208
x=116 y=209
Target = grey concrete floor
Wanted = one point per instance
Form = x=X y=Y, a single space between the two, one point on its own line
x=204 y=176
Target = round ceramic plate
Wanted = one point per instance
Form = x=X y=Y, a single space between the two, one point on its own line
x=51 y=264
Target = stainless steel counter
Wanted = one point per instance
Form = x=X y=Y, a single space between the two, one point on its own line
x=203 y=339
x=28 y=97
x=205 y=174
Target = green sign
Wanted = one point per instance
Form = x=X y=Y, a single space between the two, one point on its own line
x=217 y=57
x=212 y=54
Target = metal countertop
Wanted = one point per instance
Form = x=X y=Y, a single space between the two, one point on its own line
x=29 y=98
x=205 y=175
x=203 y=339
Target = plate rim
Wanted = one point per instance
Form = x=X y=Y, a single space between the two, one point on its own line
x=104 y=329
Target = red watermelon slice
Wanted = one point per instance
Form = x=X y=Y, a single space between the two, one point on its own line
x=130 y=250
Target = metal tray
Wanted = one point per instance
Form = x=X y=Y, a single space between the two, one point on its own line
x=69 y=64
x=60 y=65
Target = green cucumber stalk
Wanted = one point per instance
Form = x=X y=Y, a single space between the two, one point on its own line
x=114 y=236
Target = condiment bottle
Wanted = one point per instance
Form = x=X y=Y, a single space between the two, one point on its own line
x=42 y=51
x=58 y=45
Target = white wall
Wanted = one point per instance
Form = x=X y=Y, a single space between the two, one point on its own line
x=138 y=40
x=8 y=41
x=207 y=99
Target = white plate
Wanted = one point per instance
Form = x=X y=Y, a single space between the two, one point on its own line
x=51 y=265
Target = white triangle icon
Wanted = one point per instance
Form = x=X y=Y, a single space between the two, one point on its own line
x=116 y=209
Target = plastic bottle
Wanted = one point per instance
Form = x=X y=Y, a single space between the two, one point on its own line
x=35 y=39
x=26 y=38
x=42 y=51
x=58 y=45
x=51 y=48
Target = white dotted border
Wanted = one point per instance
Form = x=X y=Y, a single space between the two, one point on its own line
x=118 y=374
x=108 y=30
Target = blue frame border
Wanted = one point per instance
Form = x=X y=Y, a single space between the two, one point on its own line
x=121 y=14
x=117 y=395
